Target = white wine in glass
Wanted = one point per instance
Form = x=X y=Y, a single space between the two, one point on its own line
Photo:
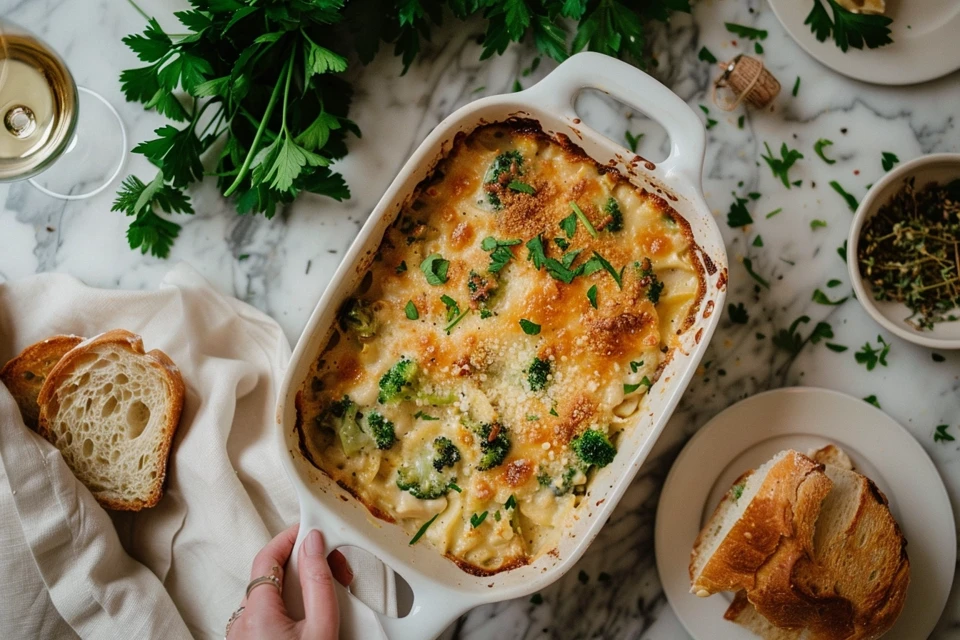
x=67 y=140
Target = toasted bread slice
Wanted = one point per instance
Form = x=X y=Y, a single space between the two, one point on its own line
x=832 y=455
x=777 y=503
x=112 y=411
x=24 y=375
x=743 y=613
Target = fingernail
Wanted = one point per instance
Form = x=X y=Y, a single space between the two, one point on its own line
x=313 y=545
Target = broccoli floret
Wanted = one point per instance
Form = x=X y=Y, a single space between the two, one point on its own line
x=382 y=430
x=594 y=448
x=424 y=476
x=494 y=445
x=396 y=379
x=649 y=280
x=565 y=485
x=342 y=416
x=503 y=167
x=614 y=216
x=445 y=453
x=537 y=374
x=358 y=317
x=481 y=288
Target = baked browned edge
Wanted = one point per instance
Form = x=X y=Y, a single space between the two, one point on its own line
x=40 y=357
x=133 y=343
x=530 y=127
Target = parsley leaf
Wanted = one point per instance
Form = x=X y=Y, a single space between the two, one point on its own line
x=789 y=339
x=705 y=56
x=872 y=399
x=422 y=530
x=738 y=313
x=609 y=268
x=780 y=167
x=758 y=241
x=500 y=252
x=632 y=140
x=738 y=216
x=796 y=87
x=748 y=265
x=870 y=357
x=821 y=298
x=817 y=224
x=583 y=218
x=941 y=435
x=529 y=328
x=569 y=226
x=745 y=32
x=148 y=231
x=592 y=296
x=477 y=520
x=888 y=160
x=434 y=267
x=848 y=29
x=411 y=311
x=851 y=201
x=839 y=348
x=818 y=147
x=522 y=187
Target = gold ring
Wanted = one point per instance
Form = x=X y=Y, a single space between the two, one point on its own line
x=271 y=580
x=233 y=618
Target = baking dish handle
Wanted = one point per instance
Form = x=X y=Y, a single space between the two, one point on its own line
x=558 y=91
x=433 y=610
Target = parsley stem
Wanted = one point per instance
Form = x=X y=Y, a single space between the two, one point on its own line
x=263 y=125
x=139 y=10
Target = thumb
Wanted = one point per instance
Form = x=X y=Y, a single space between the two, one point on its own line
x=321 y=615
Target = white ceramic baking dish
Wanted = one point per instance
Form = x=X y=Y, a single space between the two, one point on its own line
x=442 y=592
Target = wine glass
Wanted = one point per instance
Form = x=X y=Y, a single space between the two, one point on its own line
x=68 y=141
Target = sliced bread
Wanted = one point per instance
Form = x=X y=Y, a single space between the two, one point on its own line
x=112 y=411
x=25 y=374
x=743 y=613
x=777 y=503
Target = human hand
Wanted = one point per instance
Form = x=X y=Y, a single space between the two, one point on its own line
x=264 y=615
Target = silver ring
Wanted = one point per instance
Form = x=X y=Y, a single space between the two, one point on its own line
x=270 y=579
x=233 y=618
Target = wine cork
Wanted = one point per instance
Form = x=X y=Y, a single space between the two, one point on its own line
x=749 y=81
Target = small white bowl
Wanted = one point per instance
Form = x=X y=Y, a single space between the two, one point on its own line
x=937 y=167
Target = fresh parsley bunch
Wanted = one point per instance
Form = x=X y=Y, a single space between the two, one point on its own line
x=252 y=83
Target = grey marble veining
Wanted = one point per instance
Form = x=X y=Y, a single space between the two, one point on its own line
x=283 y=265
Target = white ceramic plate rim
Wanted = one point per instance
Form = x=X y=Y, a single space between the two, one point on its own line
x=866 y=209
x=915 y=55
x=926 y=519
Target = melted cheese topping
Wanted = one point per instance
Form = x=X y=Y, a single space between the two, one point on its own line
x=481 y=339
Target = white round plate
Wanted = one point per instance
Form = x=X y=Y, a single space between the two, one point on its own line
x=924 y=33
x=749 y=433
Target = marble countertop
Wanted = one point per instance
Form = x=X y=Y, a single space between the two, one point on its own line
x=283 y=265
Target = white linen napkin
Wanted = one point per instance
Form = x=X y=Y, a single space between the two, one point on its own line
x=180 y=568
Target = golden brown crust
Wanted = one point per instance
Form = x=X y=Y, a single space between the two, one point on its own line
x=24 y=375
x=49 y=405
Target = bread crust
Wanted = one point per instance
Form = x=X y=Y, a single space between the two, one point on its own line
x=171 y=375
x=24 y=374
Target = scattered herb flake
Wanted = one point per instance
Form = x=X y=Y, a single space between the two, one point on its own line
x=477 y=520
x=941 y=435
x=411 y=311
x=632 y=140
x=738 y=216
x=796 y=87
x=423 y=529
x=592 y=296
x=402 y=266
x=522 y=187
x=583 y=577
x=740 y=121
x=888 y=160
x=817 y=224
x=748 y=265
x=834 y=283
x=851 y=201
x=706 y=56
x=870 y=357
x=774 y=212
x=780 y=167
x=872 y=399
x=759 y=50
x=818 y=147
x=536 y=599
x=938 y=357
x=745 y=32
x=738 y=313
x=839 y=348
x=821 y=298
x=529 y=328
x=434 y=267
x=583 y=218
x=758 y=241
x=453 y=486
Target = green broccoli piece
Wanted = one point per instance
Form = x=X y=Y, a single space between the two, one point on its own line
x=342 y=416
x=537 y=374
x=357 y=316
x=615 y=216
x=594 y=448
x=498 y=174
x=494 y=445
x=649 y=280
x=481 y=288
x=383 y=432
x=424 y=476
x=566 y=481
x=396 y=379
x=445 y=453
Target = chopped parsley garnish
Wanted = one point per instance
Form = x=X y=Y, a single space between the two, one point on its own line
x=748 y=265
x=781 y=166
x=738 y=313
x=888 y=160
x=740 y=121
x=583 y=577
x=454 y=487
x=592 y=296
x=511 y=502
x=561 y=243
x=609 y=269
x=870 y=357
x=759 y=49
x=569 y=226
x=758 y=241
x=851 y=201
x=706 y=56
x=500 y=252
x=434 y=267
x=496 y=516
x=738 y=216
x=614 y=220
x=402 y=266
x=842 y=251
x=644 y=382
x=411 y=310
x=821 y=298
x=839 y=348
x=635 y=365
x=847 y=28
x=555 y=268
x=817 y=224
x=736 y=491
x=522 y=187
x=941 y=435
x=818 y=147
x=790 y=339
x=529 y=328
x=424 y=416
x=423 y=529
x=477 y=520
x=649 y=280
x=532 y=418
x=536 y=599
x=583 y=218
x=938 y=357
x=796 y=87
x=872 y=399
x=457 y=320
x=453 y=309
x=745 y=32
x=774 y=212
x=632 y=140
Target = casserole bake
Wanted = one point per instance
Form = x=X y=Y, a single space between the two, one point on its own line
x=344 y=520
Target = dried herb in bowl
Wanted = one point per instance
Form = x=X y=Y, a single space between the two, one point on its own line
x=909 y=252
